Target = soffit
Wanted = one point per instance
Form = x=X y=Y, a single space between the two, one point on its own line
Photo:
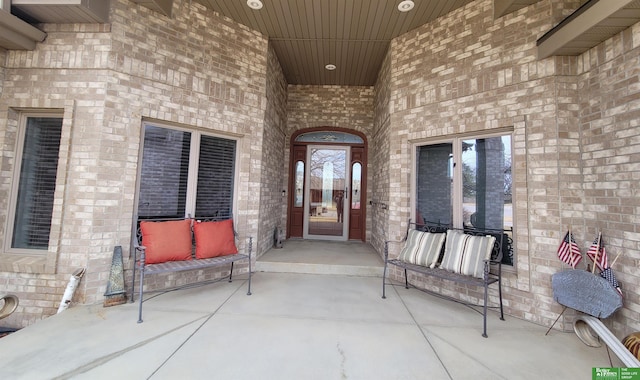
x=353 y=35
x=504 y=7
x=592 y=23
x=62 y=11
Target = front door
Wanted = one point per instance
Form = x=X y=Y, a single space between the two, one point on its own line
x=327 y=192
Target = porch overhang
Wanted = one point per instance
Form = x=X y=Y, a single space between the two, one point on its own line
x=16 y=34
x=589 y=25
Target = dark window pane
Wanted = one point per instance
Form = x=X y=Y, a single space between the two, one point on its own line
x=434 y=186
x=165 y=169
x=214 y=195
x=38 y=170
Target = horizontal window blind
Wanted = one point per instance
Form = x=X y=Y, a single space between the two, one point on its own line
x=214 y=195
x=168 y=161
x=37 y=182
x=165 y=169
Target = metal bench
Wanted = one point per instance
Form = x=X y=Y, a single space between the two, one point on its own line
x=184 y=265
x=492 y=268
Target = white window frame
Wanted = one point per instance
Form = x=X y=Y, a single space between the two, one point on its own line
x=192 y=177
x=457 y=187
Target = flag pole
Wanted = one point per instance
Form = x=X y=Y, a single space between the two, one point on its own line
x=595 y=261
x=570 y=249
x=614 y=260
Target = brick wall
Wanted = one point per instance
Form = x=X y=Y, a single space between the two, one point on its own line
x=573 y=119
x=609 y=110
x=106 y=79
x=379 y=158
x=330 y=106
x=573 y=136
x=273 y=202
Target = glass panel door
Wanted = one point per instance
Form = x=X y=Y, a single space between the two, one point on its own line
x=327 y=191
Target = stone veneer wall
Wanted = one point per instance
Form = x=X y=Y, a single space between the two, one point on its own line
x=331 y=106
x=195 y=69
x=574 y=137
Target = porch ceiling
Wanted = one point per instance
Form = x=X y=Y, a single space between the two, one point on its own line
x=352 y=35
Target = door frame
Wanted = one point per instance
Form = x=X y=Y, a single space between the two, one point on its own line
x=307 y=194
x=297 y=152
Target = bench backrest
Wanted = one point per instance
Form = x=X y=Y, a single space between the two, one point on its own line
x=502 y=248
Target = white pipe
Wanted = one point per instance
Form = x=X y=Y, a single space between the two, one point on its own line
x=71 y=288
x=629 y=360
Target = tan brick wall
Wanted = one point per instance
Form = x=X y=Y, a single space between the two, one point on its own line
x=379 y=159
x=106 y=79
x=609 y=111
x=574 y=134
x=3 y=58
x=574 y=122
x=332 y=106
x=273 y=202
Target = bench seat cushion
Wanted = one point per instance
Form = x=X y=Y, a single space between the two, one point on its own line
x=166 y=241
x=422 y=248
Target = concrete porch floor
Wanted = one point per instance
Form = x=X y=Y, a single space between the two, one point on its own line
x=294 y=326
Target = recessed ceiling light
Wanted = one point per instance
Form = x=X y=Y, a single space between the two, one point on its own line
x=254 y=4
x=330 y=67
x=405 y=6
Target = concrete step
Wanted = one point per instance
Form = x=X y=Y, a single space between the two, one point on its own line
x=322 y=257
x=338 y=269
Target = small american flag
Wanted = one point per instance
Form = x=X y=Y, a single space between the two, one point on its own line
x=608 y=275
x=597 y=248
x=568 y=251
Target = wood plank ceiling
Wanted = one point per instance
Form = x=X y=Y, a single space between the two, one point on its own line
x=352 y=35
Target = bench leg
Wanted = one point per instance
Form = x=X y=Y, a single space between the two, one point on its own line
x=250 y=250
x=384 y=270
x=484 y=310
x=500 y=293
x=231 y=272
x=141 y=293
x=133 y=281
x=406 y=279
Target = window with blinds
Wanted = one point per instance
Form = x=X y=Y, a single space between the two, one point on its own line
x=185 y=173
x=36 y=183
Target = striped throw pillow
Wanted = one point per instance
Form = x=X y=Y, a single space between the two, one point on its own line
x=477 y=250
x=454 y=250
x=422 y=248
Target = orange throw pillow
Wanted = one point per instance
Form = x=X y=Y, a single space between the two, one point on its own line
x=214 y=239
x=166 y=241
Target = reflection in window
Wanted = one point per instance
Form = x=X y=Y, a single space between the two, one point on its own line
x=299 y=184
x=356 y=174
x=486 y=183
x=482 y=188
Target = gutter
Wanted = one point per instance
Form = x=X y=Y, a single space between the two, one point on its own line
x=16 y=34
